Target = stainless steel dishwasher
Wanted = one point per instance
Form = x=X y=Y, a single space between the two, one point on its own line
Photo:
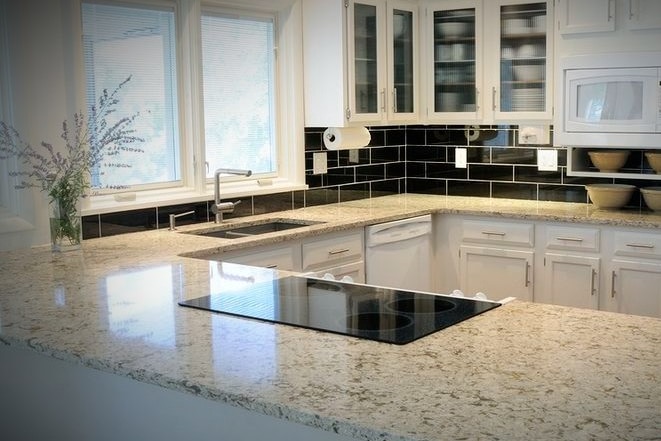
x=398 y=254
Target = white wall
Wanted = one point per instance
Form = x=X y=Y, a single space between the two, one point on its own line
x=36 y=74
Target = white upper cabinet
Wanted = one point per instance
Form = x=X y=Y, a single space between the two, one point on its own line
x=644 y=14
x=488 y=61
x=580 y=16
x=585 y=16
x=360 y=62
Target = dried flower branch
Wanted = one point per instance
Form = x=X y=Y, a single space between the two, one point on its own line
x=88 y=143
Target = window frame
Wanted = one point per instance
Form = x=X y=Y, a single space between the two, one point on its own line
x=194 y=185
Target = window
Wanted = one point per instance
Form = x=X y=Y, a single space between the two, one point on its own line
x=216 y=88
x=239 y=93
x=123 y=41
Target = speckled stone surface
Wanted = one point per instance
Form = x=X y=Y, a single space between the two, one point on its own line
x=521 y=371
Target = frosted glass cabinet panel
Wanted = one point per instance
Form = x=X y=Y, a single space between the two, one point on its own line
x=454 y=60
x=523 y=56
x=366 y=60
x=403 y=61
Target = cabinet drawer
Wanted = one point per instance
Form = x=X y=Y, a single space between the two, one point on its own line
x=572 y=238
x=332 y=250
x=637 y=244
x=283 y=258
x=504 y=233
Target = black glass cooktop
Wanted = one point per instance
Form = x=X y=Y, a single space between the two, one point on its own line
x=381 y=314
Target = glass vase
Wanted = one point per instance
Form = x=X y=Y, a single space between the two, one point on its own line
x=66 y=232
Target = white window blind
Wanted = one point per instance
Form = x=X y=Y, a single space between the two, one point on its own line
x=238 y=64
x=137 y=41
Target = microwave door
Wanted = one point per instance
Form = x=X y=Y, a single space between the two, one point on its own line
x=600 y=102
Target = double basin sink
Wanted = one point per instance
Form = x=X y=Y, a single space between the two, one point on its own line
x=237 y=231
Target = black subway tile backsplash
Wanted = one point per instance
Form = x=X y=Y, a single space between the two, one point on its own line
x=414 y=159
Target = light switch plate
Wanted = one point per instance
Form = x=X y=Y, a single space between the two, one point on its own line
x=460 y=157
x=547 y=160
x=319 y=163
x=354 y=156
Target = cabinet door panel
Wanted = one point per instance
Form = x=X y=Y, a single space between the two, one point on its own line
x=367 y=53
x=571 y=280
x=581 y=16
x=521 y=87
x=496 y=272
x=454 y=51
x=403 y=61
x=644 y=14
x=636 y=288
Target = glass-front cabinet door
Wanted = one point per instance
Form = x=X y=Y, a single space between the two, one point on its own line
x=453 y=87
x=524 y=61
x=366 y=55
x=402 y=60
x=491 y=61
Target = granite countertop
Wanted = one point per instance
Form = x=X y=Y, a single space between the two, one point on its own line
x=521 y=371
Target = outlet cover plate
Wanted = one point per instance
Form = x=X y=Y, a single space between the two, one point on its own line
x=547 y=160
x=319 y=163
x=460 y=157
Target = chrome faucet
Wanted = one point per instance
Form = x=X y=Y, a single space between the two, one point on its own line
x=219 y=208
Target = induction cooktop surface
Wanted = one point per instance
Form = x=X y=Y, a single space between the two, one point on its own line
x=375 y=313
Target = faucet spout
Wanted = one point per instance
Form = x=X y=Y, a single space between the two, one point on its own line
x=219 y=208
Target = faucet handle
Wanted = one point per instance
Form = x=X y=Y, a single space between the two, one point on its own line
x=237 y=202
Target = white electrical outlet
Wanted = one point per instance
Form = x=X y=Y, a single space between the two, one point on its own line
x=319 y=163
x=547 y=159
x=460 y=157
x=354 y=157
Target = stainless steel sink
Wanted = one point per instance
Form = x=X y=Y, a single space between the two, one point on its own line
x=254 y=229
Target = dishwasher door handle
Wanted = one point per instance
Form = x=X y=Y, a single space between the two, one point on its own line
x=398 y=231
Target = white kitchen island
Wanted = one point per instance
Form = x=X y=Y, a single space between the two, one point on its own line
x=125 y=360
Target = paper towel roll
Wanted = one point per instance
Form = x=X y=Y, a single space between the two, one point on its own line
x=343 y=138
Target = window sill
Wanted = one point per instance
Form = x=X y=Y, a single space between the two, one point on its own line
x=111 y=203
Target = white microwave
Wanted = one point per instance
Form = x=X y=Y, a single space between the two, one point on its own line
x=610 y=100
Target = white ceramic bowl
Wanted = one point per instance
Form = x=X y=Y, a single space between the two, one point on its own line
x=652 y=197
x=654 y=158
x=609 y=161
x=528 y=72
x=610 y=196
x=452 y=29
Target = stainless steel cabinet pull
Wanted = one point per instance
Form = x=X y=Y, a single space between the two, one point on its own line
x=394 y=100
x=274 y=265
x=613 y=284
x=333 y=252
x=630 y=10
x=592 y=290
x=648 y=246
x=493 y=98
x=494 y=233
x=527 y=274
x=383 y=100
x=477 y=99
x=570 y=239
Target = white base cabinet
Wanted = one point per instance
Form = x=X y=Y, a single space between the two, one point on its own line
x=584 y=266
x=477 y=254
x=498 y=273
x=339 y=254
x=636 y=287
x=635 y=271
x=571 y=280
